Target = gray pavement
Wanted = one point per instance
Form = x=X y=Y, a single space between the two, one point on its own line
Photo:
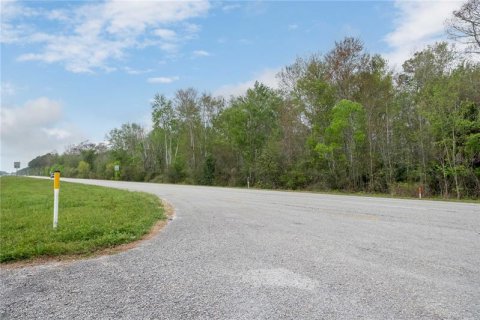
x=250 y=254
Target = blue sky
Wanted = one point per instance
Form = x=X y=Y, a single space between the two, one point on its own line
x=72 y=71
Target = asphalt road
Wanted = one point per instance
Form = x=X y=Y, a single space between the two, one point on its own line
x=250 y=254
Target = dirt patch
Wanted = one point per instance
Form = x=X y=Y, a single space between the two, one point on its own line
x=157 y=227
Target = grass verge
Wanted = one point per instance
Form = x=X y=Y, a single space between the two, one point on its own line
x=91 y=218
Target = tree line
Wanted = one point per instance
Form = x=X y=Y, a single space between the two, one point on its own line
x=339 y=121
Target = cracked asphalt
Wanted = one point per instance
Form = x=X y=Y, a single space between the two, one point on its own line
x=253 y=254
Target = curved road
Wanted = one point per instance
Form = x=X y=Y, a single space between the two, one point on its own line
x=250 y=254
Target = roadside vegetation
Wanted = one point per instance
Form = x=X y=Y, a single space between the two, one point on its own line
x=341 y=120
x=90 y=218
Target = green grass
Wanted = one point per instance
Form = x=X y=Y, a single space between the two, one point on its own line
x=90 y=218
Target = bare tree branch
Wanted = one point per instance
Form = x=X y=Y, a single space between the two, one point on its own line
x=464 y=26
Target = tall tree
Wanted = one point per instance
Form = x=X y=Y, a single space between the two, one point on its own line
x=163 y=117
x=345 y=140
x=427 y=65
x=376 y=96
x=250 y=122
x=187 y=106
x=343 y=63
x=453 y=121
x=128 y=147
x=210 y=107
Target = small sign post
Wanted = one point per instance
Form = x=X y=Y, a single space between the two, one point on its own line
x=56 y=191
x=117 y=172
x=16 y=165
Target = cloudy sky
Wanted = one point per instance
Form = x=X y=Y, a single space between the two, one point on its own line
x=73 y=70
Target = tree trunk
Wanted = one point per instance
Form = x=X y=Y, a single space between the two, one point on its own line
x=166 y=148
x=422 y=146
x=454 y=163
x=445 y=180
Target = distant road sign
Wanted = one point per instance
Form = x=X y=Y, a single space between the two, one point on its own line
x=117 y=167
x=16 y=164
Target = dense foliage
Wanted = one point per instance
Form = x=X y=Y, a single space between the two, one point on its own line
x=341 y=121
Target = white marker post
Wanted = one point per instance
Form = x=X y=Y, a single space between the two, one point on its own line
x=56 y=191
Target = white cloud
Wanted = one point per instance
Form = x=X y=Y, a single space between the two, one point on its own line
x=293 y=26
x=93 y=34
x=419 y=23
x=256 y=7
x=80 y=54
x=33 y=129
x=7 y=89
x=231 y=7
x=57 y=134
x=40 y=111
x=59 y=15
x=166 y=34
x=133 y=71
x=192 y=28
x=267 y=77
x=201 y=53
x=9 y=11
x=136 y=16
x=163 y=80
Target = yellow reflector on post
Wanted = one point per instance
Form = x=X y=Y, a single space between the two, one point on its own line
x=56 y=180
